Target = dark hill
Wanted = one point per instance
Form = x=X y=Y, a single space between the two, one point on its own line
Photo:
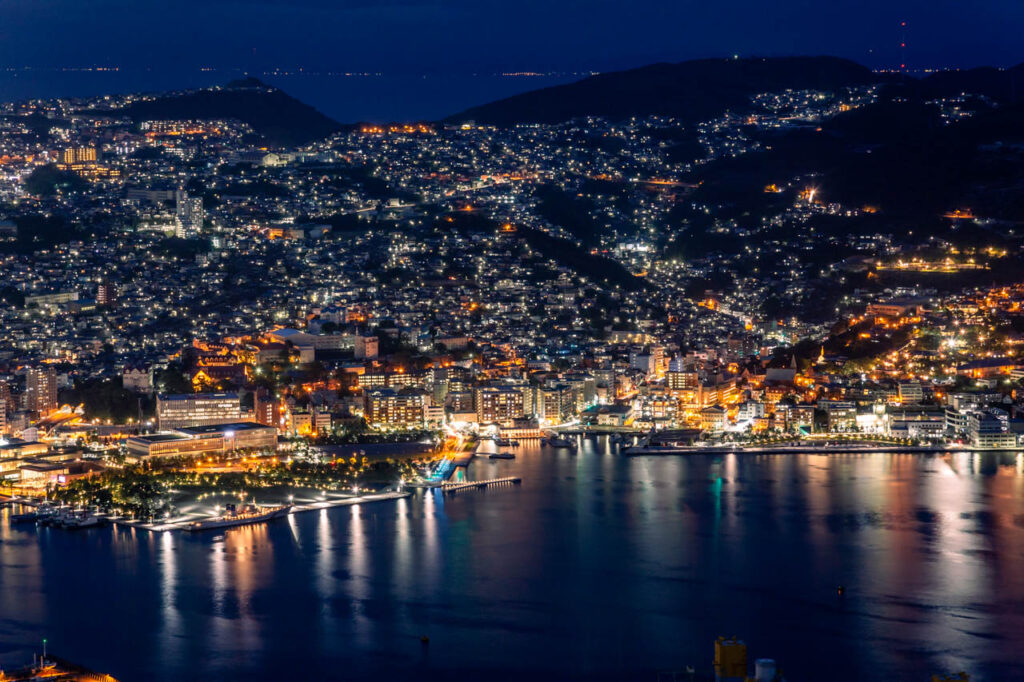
x=277 y=117
x=692 y=90
x=1004 y=85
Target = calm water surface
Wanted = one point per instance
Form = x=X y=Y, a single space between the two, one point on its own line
x=596 y=567
x=344 y=98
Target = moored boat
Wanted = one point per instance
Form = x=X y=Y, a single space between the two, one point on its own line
x=250 y=513
x=558 y=442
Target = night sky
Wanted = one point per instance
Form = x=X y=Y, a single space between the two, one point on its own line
x=460 y=36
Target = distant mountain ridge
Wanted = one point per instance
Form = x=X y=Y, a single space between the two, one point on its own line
x=704 y=88
x=692 y=90
x=277 y=117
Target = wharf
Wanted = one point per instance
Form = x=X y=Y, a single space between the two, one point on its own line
x=809 y=450
x=180 y=522
x=466 y=485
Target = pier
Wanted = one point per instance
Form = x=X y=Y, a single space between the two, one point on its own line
x=465 y=485
x=182 y=522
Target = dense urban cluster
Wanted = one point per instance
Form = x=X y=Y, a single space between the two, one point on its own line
x=177 y=287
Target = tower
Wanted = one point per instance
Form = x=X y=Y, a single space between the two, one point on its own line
x=188 y=218
x=41 y=389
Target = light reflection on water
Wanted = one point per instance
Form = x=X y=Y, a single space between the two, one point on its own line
x=596 y=566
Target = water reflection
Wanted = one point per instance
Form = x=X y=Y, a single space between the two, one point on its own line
x=596 y=564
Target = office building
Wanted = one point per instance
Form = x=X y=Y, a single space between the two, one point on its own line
x=197 y=409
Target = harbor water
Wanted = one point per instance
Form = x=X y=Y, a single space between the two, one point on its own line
x=597 y=566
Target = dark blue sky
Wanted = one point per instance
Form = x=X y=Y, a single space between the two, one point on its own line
x=410 y=36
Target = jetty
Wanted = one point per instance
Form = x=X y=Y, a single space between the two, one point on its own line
x=490 y=482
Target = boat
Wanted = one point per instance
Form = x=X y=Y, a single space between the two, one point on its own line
x=655 y=450
x=557 y=442
x=506 y=442
x=502 y=455
x=250 y=513
x=80 y=520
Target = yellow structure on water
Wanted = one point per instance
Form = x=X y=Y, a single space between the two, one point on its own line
x=730 y=659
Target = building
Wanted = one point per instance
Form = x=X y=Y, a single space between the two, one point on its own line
x=989 y=428
x=387 y=407
x=77 y=155
x=203 y=440
x=197 y=409
x=989 y=367
x=555 y=404
x=910 y=392
x=712 y=418
x=367 y=347
x=188 y=215
x=137 y=379
x=266 y=407
x=41 y=389
x=106 y=294
x=499 y=404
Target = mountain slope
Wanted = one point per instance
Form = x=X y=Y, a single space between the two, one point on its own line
x=276 y=116
x=691 y=90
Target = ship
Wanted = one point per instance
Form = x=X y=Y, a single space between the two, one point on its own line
x=502 y=455
x=558 y=442
x=234 y=516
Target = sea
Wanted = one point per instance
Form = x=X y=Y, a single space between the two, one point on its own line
x=345 y=97
x=597 y=566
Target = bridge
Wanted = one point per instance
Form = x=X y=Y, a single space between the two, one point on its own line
x=464 y=485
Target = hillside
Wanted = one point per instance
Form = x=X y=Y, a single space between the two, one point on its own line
x=280 y=119
x=692 y=90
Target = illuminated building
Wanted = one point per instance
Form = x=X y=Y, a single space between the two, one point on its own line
x=203 y=440
x=386 y=407
x=679 y=380
x=499 y=404
x=105 y=293
x=910 y=392
x=78 y=155
x=266 y=407
x=555 y=404
x=712 y=418
x=41 y=390
x=188 y=215
x=197 y=409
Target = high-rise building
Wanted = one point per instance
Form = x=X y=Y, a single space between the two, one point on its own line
x=197 y=409
x=41 y=389
x=188 y=215
x=5 y=396
x=267 y=408
x=499 y=404
x=388 y=407
x=105 y=293
x=555 y=404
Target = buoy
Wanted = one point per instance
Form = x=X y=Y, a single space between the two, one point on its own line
x=424 y=639
x=840 y=590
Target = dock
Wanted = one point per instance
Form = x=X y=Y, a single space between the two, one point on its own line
x=466 y=485
x=181 y=522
